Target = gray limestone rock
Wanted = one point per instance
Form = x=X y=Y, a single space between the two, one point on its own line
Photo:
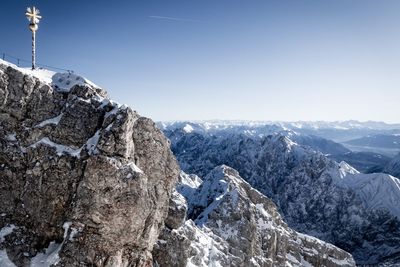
x=81 y=176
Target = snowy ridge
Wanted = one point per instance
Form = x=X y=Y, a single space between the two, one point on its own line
x=61 y=81
x=378 y=191
x=222 y=212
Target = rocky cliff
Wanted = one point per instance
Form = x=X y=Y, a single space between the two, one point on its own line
x=84 y=180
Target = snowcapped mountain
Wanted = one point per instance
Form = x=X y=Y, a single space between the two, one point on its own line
x=254 y=131
x=339 y=131
x=231 y=224
x=316 y=195
x=378 y=191
x=339 y=125
x=365 y=161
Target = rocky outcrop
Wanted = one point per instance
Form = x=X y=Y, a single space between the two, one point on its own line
x=84 y=180
x=232 y=224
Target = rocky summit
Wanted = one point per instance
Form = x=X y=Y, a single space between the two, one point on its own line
x=86 y=181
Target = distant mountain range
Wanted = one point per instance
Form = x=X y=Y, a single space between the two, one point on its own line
x=339 y=125
x=366 y=148
x=341 y=131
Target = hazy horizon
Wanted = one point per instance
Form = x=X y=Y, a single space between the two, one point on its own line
x=231 y=60
x=277 y=121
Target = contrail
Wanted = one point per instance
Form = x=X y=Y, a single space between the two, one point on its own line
x=174 y=19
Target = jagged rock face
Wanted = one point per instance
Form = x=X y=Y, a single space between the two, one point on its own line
x=232 y=224
x=315 y=195
x=80 y=174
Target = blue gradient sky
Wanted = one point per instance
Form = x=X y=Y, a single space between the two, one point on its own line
x=214 y=59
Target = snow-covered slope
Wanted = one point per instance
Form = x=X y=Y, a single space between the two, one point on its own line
x=316 y=195
x=393 y=167
x=62 y=81
x=378 y=191
x=231 y=224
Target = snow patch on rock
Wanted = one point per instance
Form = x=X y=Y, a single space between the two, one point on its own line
x=60 y=149
x=54 y=121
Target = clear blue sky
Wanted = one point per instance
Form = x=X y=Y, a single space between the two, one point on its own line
x=215 y=59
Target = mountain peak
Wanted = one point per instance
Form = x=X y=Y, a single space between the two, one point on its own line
x=240 y=227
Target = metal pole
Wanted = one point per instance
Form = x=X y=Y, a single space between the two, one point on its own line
x=33 y=50
x=4 y=56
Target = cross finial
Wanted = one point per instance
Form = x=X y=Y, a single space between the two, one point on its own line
x=32 y=14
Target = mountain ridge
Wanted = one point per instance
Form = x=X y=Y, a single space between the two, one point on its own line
x=228 y=212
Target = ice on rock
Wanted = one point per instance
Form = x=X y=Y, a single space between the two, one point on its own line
x=11 y=137
x=60 y=149
x=4 y=260
x=51 y=254
x=6 y=231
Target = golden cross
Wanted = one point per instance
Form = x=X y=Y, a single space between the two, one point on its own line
x=33 y=15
